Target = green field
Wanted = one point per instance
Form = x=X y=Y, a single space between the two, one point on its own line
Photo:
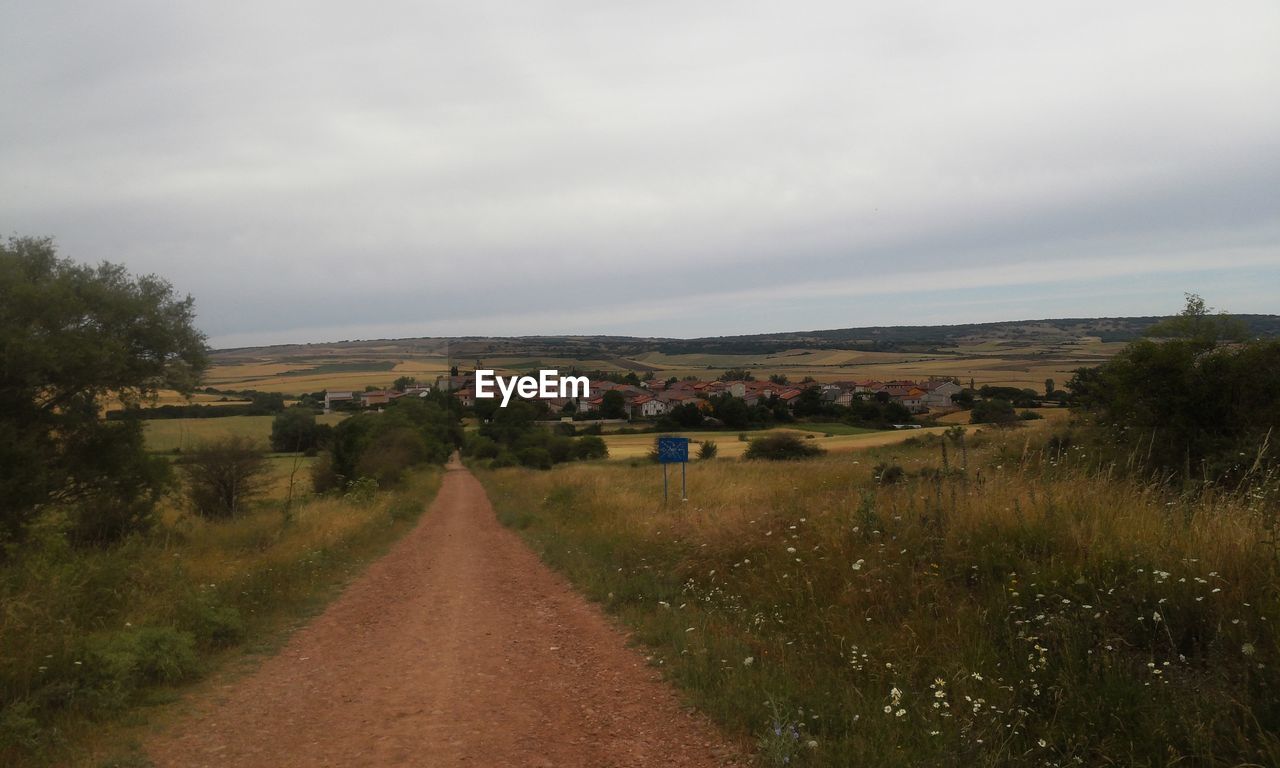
x=169 y=435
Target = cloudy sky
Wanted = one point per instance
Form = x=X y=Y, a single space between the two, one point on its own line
x=317 y=171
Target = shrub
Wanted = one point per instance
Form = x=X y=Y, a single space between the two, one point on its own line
x=224 y=476
x=504 y=459
x=534 y=457
x=889 y=474
x=362 y=491
x=781 y=447
x=324 y=477
x=213 y=623
x=993 y=411
x=591 y=447
x=707 y=449
x=391 y=453
x=117 y=663
x=295 y=429
x=1029 y=416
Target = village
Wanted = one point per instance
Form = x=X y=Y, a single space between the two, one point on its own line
x=646 y=400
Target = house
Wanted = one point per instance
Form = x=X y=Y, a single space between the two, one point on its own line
x=790 y=397
x=912 y=399
x=338 y=397
x=938 y=394
x=377 y=397
x=466 y=397
x=646 y=407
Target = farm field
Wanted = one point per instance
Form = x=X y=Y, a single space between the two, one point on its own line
x=167 y=435
x=730 y=446
x=1000 y=358
x=1007 y=605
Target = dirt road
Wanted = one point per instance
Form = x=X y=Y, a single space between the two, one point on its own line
x=459 y=648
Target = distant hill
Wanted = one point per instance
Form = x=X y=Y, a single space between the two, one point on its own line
x=922 y=337
x=891 y=338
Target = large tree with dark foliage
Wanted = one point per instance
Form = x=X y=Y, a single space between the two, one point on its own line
x=73 y=339
x=1199 y=400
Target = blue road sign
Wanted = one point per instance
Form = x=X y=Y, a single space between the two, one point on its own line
x=673 y=450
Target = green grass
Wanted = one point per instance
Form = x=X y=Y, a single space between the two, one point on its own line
x=89 y=638
x=1023 y=612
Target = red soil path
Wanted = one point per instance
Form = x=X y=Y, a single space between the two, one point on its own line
x=459 y=648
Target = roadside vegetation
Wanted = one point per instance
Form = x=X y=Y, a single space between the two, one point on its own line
x=1027 y=610
x=1033 y=593
x=510 y=437
x=125 y=573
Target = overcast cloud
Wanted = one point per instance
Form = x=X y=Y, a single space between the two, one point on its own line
x=316 y=171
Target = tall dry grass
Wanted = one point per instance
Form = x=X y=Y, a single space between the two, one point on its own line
x=1025 y=609
x=86 y=635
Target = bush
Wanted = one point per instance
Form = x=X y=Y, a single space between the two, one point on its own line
x=324 y=477
x=707 y=449
x=214 y=624
x=781 y=447
x=119 y=662
x=889 y=474
x=296 y=429
x=504 y=459
x=993 y=411
x=390 y=453
x=224 y=476
x=534 y=457
x=1029 y=416
x=591 y=447
x=362 y=491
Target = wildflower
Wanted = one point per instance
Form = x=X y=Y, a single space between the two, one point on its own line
x=749 y=661
x=858 y=565
x=900 y=713
x=1247 y=649
x=812 y=744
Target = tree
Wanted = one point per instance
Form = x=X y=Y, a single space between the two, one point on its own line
x=778 y=378
x=613 y=405
x=993 y=411
x=403 y=382
x=74 y=338
x=782 y=447
x=1049 y=387
x=686 y=415
x=296 y=430
x=1190 y=404
x=224 y=476
x=590 y=447
x=1196 y=323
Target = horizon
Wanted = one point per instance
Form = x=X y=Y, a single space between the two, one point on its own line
x=472 y=337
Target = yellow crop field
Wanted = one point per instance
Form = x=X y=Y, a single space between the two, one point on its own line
x=165 y=435
x=730 y=446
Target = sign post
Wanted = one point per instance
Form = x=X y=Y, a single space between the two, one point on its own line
x=673 y=450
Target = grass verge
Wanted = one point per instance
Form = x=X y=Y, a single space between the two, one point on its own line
x=90 y=637
x=1020 y=611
